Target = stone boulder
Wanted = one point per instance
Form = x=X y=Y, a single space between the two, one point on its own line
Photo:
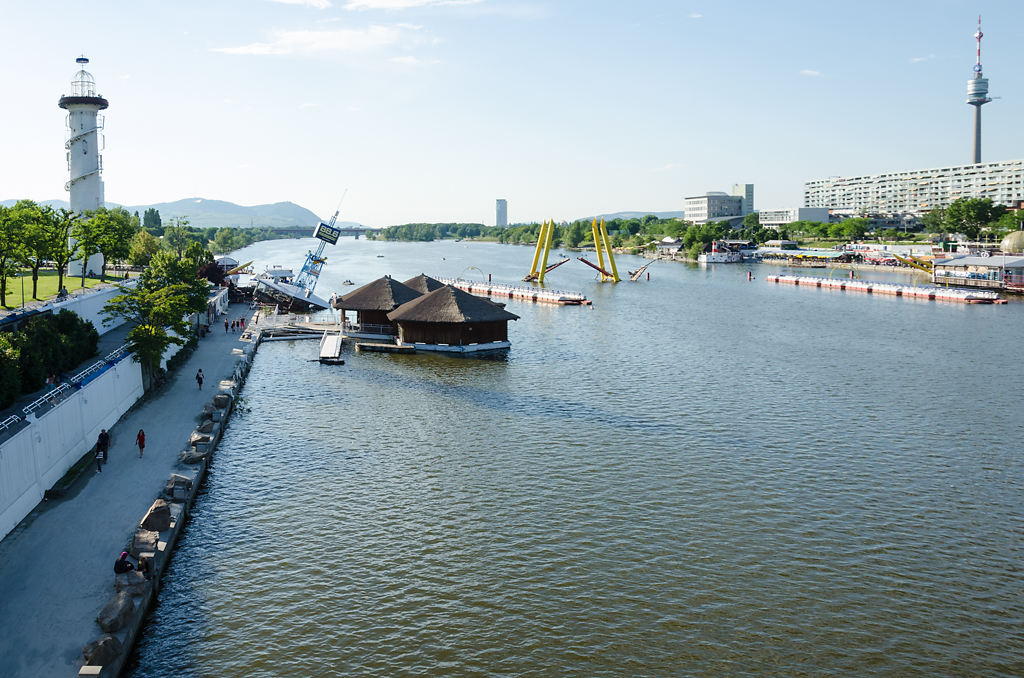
x=144 y=540
x=158 y=518
x=207 y=427
x=133 y=583
x=221 y=401
x=177 y=486
x=116 y=612
x=193 y=456
x=102 y=652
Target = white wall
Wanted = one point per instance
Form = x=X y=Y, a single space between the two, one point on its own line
x=39 y=455
x=90 y=306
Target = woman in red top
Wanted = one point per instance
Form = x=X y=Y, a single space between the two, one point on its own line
x=140 y=440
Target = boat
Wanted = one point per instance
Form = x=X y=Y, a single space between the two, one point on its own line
x=276 y=286
x=347 y=282
x=380 y=256
x=294 y=293
x=720 y=254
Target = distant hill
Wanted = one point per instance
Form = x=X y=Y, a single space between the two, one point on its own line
x=637 y=215
x=203 y=213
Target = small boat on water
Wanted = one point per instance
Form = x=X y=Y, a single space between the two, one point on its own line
x=347 y=282
x=720 y=253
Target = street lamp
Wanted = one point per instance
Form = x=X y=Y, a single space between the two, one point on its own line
x=21 y=274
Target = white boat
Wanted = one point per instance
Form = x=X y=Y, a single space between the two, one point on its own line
x=720 y=254
x=275 y=286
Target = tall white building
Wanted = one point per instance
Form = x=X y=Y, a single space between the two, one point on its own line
x=746 y=193
x=918 y=191
x=501 y=209
x=85 y=164
x=716 y=205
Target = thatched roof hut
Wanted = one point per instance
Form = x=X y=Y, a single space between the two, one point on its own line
x=374 y=300
x=452 y=317
x=423 y=283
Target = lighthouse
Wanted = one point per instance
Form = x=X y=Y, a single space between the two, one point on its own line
x=83 y=145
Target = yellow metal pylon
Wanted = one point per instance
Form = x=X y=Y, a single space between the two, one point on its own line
x=547 y=249
x=608 y=249
x=540 y=246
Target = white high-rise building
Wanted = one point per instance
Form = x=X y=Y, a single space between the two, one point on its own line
x=84 y=143
x=501 y=216
x=918 y=191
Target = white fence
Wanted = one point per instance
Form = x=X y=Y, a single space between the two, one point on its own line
x=37 y=456
x=89 y=306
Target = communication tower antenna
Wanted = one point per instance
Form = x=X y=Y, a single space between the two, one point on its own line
x=977 y=95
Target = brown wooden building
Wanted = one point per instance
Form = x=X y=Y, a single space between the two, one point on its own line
x=453 y=317
x=373 y=301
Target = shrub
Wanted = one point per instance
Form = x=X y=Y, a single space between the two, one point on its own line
x=10 y=372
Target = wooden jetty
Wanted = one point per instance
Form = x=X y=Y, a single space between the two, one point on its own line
x=373 y=347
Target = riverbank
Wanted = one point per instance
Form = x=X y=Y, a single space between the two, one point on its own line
x=56 y=566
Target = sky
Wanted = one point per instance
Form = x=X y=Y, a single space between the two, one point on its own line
x=429 y=110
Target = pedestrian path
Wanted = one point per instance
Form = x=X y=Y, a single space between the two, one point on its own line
x=56 y=568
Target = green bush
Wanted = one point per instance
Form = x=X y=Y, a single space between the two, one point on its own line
x=49 y=343
x=10 y=372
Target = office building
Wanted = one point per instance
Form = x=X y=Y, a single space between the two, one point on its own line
x=719 y=206
x=781 y=217
x=501 y=218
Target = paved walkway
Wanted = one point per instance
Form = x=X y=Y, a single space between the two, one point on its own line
x=56 y=568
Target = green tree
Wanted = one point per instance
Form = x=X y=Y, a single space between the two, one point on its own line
x=113 y=231
x=166 y=270
x=151 y=221
x=10 y=372
x=158 y=319
x=970 y=215
x=574 y=235
x=855 y=228
x=36 y=237
x=142 y=248
x=935 y=221
x=176 y=236
x=752 y=221
x=12 y=238
x=87 y=235
x=61 y=224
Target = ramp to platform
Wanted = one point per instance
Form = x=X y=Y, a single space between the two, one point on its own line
x=330 y=347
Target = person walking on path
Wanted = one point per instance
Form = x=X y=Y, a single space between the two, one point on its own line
x=102 y=443
x=199 y=378
x=99 y=459
x=140 y=440
x=225 y=325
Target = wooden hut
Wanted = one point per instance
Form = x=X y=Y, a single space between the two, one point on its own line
x=449 y=319
x=373 y=301
x=423 y=283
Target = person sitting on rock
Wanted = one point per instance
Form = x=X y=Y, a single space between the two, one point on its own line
x=122 y=564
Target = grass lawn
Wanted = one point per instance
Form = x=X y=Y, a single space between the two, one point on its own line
x=47 y=286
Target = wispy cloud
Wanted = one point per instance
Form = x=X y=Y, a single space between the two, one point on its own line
x=316 y=4
x=410 y=60
x=403 y=4
x=696 y=15
x=917 y=60
x=810 y=73
x=319 y=41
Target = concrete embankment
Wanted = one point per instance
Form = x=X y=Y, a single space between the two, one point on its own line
x=56 y=568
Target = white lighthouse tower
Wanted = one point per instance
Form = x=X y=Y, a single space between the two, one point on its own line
x=85 y=139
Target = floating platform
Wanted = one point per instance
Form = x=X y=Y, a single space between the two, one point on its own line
x=893 y=289
x=372 y=347
x=330 y=349
x=540 y=296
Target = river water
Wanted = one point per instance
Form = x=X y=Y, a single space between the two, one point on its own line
x=699 y=475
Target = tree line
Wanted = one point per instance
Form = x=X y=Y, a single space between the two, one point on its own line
x=35 y=236
x=972 y=217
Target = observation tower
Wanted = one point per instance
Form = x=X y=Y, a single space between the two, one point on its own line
x=84 y=143
x=977 y=96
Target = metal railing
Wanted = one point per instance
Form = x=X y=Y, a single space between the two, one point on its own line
x=50 y=398
x=369 y=328
x=61 y=392
x=9 y=422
